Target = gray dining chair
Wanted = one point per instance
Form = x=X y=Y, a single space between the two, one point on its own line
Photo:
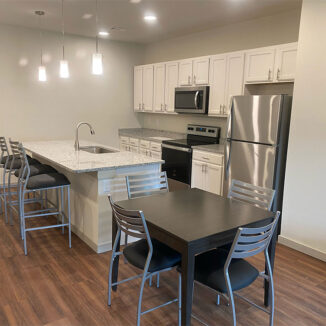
x=228 y=273
x=149 y=255
x=254 y=195
x=147 y=184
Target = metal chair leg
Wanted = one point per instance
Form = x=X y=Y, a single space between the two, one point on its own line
x=179 y=301
x=9 y=199
x=69 y=215
x=141 y=297
x=62 y=208
x=231 y=299
x=158 y=280
x=218 y=300
x=4 y=195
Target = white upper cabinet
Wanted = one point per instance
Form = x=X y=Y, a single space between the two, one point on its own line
x=138 y=88
x=225 y=80
x=274 y=64
x=285 y=62
x=159 y=88
x=217 y=83
x=185 y=72
x=234 y=78
x=148 y=81
x=200 y=71
x=260 y=65
x=171 y=82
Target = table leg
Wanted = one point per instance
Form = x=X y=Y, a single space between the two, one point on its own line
x=115 y=270
x=187 y=267
x=271 y=252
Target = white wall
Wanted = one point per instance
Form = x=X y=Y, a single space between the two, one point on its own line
x=271 y=30
x=304 y=212
x=31 y=110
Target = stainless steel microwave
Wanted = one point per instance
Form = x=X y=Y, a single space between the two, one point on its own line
x=191 y=99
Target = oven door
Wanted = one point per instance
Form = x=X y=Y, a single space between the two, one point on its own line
x=191 y=99
x=177 y=163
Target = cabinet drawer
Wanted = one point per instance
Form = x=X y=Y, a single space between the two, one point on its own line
x=208 y=157
x=156 y=146
x=134 y=141
x=124 y=140
x=144 y=144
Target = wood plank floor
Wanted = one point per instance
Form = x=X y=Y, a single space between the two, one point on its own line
x=58 y=286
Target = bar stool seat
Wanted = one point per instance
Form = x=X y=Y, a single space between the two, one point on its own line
x=17 y=163
x=163 y=256
x=49 y=180
x=38 y=169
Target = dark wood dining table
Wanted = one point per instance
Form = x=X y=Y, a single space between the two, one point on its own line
x=194 y=221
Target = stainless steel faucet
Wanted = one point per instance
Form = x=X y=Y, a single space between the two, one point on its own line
x=76 y=138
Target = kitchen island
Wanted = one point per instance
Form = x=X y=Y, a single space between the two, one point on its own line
x=93 y=176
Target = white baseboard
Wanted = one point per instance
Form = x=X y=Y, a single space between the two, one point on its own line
x=303 y=248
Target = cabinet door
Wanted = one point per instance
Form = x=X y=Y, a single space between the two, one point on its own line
x=134 y=149
x=213 y=178
x=201 y=71
x=234 y=79
x=260 y=65
x=148 y=81
x=171 y=82
x=159 y=86
x=286 y=56
x=217 y=83
x=142 y=151
x=138 y=88
x=197 y=175
x=157 y=155
x=124 y=147
x=185 y=72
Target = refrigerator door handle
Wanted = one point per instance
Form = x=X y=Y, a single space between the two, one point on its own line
x=229 y=124
x=227 y=155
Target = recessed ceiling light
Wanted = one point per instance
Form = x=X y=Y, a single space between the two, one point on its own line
x=87 y=16
x=103 y=33
x=150 y=18
x=134 y=1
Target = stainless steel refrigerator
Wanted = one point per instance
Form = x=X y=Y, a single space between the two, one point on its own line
x=256 y=142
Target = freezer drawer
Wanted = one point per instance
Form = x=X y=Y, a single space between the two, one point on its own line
x=255 y=118
x=248 y=162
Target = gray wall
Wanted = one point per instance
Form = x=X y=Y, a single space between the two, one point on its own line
x=271 y=30
x=31 y=110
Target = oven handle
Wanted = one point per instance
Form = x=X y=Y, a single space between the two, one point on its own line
x=183 y=149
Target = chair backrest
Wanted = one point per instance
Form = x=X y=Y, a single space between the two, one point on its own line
x=141 y=185
x=18 y=153
x=4 y=149
x=246 y=192
x=252 y=241
x=130 y=222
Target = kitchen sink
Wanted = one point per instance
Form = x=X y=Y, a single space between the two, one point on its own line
x=97 y=150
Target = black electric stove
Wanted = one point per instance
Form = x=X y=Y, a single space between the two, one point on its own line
x=177 y=153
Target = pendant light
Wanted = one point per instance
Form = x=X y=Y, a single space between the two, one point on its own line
x=41 y=68
x=97 y=63
x=64 y=67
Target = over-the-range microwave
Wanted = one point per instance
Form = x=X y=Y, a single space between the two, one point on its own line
x=191 y=99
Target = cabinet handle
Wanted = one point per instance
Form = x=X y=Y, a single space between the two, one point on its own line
x=195 y=79
x=143 y=106
x=139 y=106
x=161 y=107
x=269 y=74
x=166 y=107
x=206 y=158
x=224 y=109
x=278 y=74
x=189 y=83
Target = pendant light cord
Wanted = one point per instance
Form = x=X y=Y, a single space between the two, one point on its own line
x=63 y=30
x=41 y=38
x=96 y=23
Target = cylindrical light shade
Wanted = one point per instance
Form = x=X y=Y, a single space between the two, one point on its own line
x=42 y=73
x=64 y=69
x=97 y=64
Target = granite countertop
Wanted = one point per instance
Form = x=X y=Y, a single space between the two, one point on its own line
x=212 y=148
x=151 y=134
x=63 y=154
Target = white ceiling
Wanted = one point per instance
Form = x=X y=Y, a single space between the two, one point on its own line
x=175 y=17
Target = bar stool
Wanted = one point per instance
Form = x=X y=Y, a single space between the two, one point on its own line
x=42 y=182
x=8 y=164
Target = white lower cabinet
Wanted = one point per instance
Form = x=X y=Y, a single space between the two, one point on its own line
x=141 y=146
x=134 y=149
x=207 y=176
x=157 y=155
x=124 y=147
